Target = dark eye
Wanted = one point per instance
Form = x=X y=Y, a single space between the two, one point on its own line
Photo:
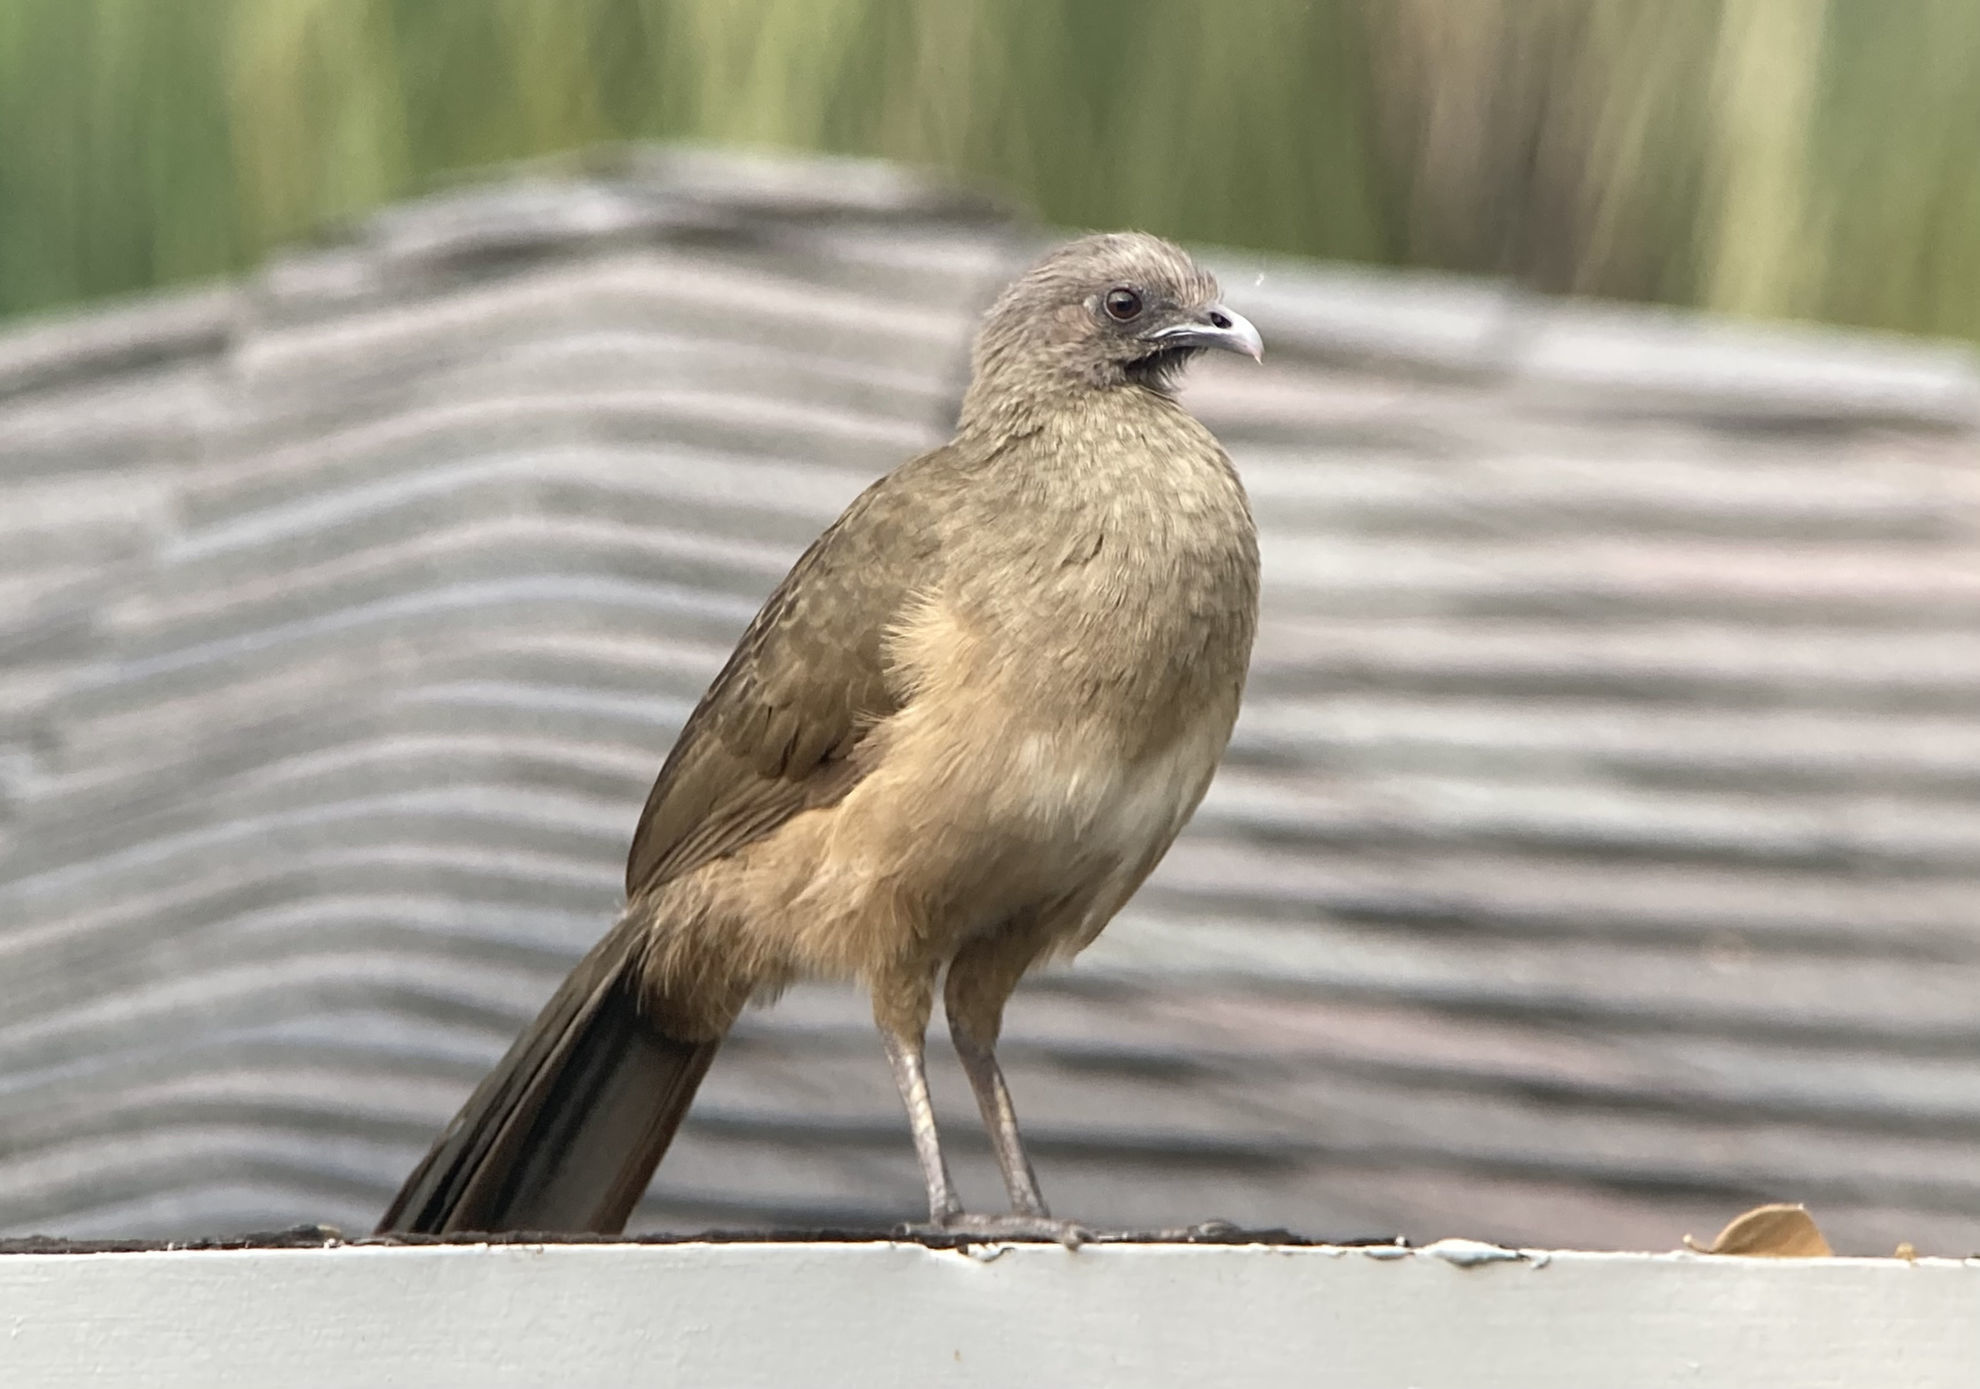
x=1123 y=304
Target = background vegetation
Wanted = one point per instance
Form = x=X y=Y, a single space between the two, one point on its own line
x=1813 y=158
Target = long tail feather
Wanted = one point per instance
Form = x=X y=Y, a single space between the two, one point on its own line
x=564 y=1135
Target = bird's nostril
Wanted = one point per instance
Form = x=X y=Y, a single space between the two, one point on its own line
x=1218 y=320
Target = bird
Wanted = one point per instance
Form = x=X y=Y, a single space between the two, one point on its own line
x=955 y=739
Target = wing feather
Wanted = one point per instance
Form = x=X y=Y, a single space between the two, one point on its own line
x=780 y=728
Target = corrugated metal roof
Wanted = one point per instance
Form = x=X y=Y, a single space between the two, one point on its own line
x=1596 y=853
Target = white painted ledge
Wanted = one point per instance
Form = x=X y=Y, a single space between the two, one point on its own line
x=880 y=1314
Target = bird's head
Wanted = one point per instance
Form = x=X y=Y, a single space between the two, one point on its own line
x=1113 y=310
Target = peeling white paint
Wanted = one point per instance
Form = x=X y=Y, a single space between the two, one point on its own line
x=1469 y=1253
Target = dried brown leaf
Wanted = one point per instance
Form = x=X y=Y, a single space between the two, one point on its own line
x=1780 y=1231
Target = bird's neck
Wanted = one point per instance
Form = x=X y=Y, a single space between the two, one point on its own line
x=1127 y=462
x=998 y=408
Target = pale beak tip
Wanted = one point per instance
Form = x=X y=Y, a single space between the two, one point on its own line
x=1238 y=334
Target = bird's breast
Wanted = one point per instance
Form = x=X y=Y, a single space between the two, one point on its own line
x=1130 y=590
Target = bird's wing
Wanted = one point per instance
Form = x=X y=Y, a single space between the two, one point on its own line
x=777 y=731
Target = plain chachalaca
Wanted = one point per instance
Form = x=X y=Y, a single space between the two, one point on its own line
x=956 y=738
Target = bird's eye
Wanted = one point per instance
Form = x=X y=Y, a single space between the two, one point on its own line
x=1123 y=304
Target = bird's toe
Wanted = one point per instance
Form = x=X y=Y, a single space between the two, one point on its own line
x=1039 y=1229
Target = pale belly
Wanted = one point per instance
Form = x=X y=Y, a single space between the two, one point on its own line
x=1073 y=798
x=960 y=829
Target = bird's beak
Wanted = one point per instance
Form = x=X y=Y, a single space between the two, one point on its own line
x=1216 y=327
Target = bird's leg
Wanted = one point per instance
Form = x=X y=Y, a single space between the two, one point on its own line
x=981 y=978
x=900 y=1010
x=978 y=1054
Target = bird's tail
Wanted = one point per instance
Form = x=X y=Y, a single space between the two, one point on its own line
x=566 y=1132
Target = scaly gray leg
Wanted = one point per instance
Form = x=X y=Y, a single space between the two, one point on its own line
x=904 y=1054
x=980 y=979
x=993 y=1099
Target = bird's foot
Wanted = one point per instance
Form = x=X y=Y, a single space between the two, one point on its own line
x=1037 y=1228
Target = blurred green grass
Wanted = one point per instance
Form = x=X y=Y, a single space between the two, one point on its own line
x=1808 y=158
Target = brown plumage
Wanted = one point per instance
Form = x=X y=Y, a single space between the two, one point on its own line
x=956 y=738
